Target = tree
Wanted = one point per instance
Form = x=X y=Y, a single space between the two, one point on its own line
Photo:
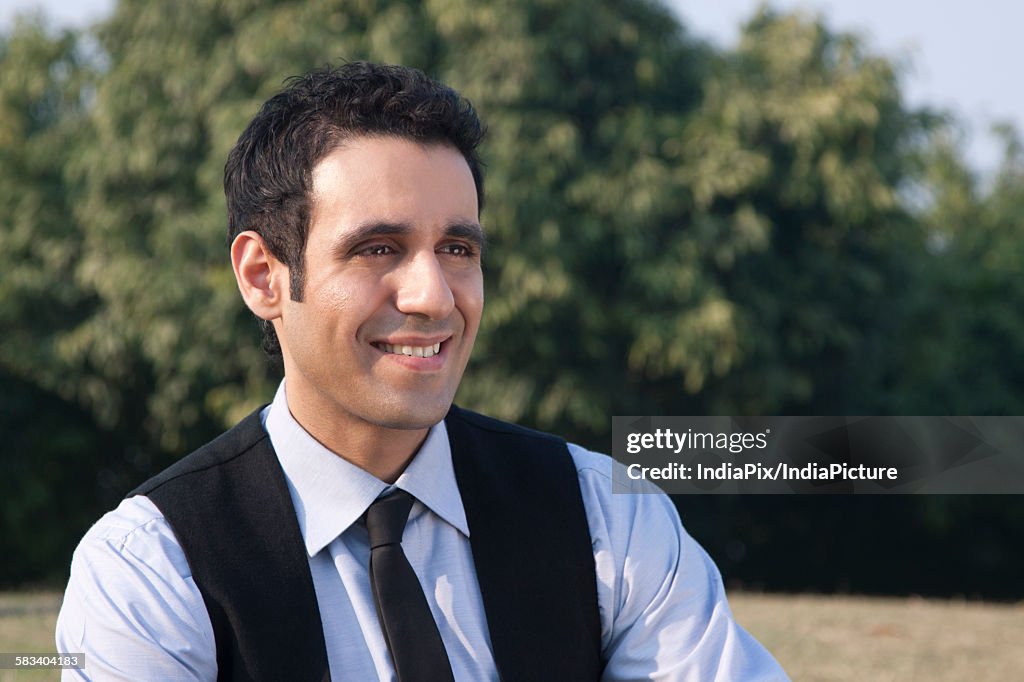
x=41 y=118
x=53 y=467
x=969 y=328
x=798 y=160
x=674 y=230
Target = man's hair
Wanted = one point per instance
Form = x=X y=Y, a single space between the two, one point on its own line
x=268 y=174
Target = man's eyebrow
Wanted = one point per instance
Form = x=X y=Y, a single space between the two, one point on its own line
x=367 y=231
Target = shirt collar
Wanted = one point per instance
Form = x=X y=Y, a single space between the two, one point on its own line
x=330 y=493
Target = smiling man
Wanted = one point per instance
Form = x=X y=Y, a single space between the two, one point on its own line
x=361 y=526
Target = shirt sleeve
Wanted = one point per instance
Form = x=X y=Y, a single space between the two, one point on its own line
x=131 y=605
x=664 y=613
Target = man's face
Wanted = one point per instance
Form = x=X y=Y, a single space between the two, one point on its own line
x=393 y=288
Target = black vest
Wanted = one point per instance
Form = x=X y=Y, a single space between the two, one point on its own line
x=230 y=509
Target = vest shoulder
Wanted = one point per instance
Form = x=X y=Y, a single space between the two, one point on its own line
x=497 y=426
x=233 y=443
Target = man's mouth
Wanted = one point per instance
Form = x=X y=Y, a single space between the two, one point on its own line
x=411 y=351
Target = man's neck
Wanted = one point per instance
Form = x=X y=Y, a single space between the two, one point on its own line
x=381 y=451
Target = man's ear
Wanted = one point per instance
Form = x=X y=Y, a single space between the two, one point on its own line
x=262 y=279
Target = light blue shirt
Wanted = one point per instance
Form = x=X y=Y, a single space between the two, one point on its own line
x=133 y=609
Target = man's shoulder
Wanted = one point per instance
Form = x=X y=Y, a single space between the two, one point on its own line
x=235 y=442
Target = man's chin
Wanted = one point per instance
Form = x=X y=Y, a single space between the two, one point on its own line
x=411 y=417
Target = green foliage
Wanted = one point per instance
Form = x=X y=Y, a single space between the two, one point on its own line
x=962 y=347
x=41 y=124
x=797 y=160
x=675 y=229
x=55 y=476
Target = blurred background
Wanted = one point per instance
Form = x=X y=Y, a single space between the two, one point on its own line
x=797 y=210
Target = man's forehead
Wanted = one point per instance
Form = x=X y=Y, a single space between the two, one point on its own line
x=403 y=145
x=392 y=180
x=355 y=157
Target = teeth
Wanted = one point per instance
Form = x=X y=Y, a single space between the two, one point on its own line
x=412 y=351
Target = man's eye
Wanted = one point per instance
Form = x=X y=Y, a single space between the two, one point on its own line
x=378 y=250
x=457 y=250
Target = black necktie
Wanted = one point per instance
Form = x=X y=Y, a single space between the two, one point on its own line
x=409 y=628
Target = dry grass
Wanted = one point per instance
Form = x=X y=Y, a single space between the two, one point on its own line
x=826 y=639
x=27 y=620
x=816 y=639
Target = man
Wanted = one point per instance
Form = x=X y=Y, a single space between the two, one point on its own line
x=360 y=527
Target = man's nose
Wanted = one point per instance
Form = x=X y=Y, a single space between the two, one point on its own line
x=423 y=289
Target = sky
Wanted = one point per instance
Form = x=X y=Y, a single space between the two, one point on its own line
x=959 y=54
